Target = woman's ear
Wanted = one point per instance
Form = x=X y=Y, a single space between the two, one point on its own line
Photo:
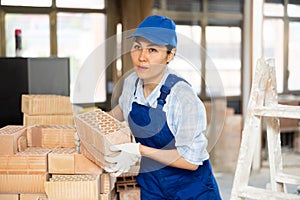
x=171 y=55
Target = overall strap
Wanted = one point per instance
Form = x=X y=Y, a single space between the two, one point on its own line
x=165 y=89
x=136 y=83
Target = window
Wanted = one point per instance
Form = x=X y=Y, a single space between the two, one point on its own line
x=225 y=53
x=35 y=34
x=187 y=63
x=98 y=4
x=51 y=31
x=273 y=9
x=273 y=47
x=212 y=46
x=39 y=3
x=293 y=9
x=78 y=35
x=280 y=41
x=294 y=53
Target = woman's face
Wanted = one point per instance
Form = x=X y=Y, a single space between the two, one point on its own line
x=149 y=60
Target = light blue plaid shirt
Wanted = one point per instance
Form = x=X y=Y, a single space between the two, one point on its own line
x=186 y=115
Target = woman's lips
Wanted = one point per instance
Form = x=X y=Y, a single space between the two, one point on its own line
x=142 y=67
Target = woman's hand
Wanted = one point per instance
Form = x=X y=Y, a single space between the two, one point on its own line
x=128 y=156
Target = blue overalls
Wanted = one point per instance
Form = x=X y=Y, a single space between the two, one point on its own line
x=158 y=181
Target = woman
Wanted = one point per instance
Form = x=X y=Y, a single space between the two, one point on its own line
x=167 y=119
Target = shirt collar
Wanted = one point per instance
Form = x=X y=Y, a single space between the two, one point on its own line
x=151 y=100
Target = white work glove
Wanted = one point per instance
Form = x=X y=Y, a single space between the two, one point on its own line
x=128 y=156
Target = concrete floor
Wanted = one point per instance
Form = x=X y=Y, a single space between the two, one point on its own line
x=257 y=179
x=291 y=163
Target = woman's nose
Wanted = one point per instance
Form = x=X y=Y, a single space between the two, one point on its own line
x=143 y=55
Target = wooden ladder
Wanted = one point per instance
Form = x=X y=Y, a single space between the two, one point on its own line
x=263 y=102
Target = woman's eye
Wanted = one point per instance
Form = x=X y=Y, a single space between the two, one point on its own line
x=137 y=47
x=152 y=50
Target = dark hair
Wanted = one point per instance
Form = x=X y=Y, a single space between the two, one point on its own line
x=169 y=49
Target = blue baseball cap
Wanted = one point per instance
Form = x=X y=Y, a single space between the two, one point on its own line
x=159 y=30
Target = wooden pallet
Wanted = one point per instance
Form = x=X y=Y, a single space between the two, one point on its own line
x=263 y=103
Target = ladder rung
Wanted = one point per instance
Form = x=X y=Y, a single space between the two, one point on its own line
x=287 y=178
x=284 y=111
x=259 y=193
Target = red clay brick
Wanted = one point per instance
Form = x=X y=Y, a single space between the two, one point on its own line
x=9 y=136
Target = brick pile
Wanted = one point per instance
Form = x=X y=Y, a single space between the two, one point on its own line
x=43 y=161
x=51 y=109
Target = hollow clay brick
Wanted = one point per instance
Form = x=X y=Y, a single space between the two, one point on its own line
x=22 y=143
x=224 y=155
x=105 y=197
x=9 y=136
x=101 y=130
x=51 y=136
x=32 y=160
x=92 y=154
x=126 y=183
x=109 y=196
x=22 y=183
x=33 y=197
x=9 y=196
x=46 y=104
x=84 y=166
x=105 y=186
x=68 y=161
x=133 y=194
x=62 y=161
x=73 y=187
x=29 y=120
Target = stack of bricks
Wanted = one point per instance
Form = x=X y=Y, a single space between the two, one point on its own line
x=224 y=154
x=21 y=172
x=42 y=161
x=72 y=175
x=46 y=110
x=47 y=166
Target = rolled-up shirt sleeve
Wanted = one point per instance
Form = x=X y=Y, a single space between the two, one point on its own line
x=187 y=118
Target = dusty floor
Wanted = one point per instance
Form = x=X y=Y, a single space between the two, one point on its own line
x=261 y=178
